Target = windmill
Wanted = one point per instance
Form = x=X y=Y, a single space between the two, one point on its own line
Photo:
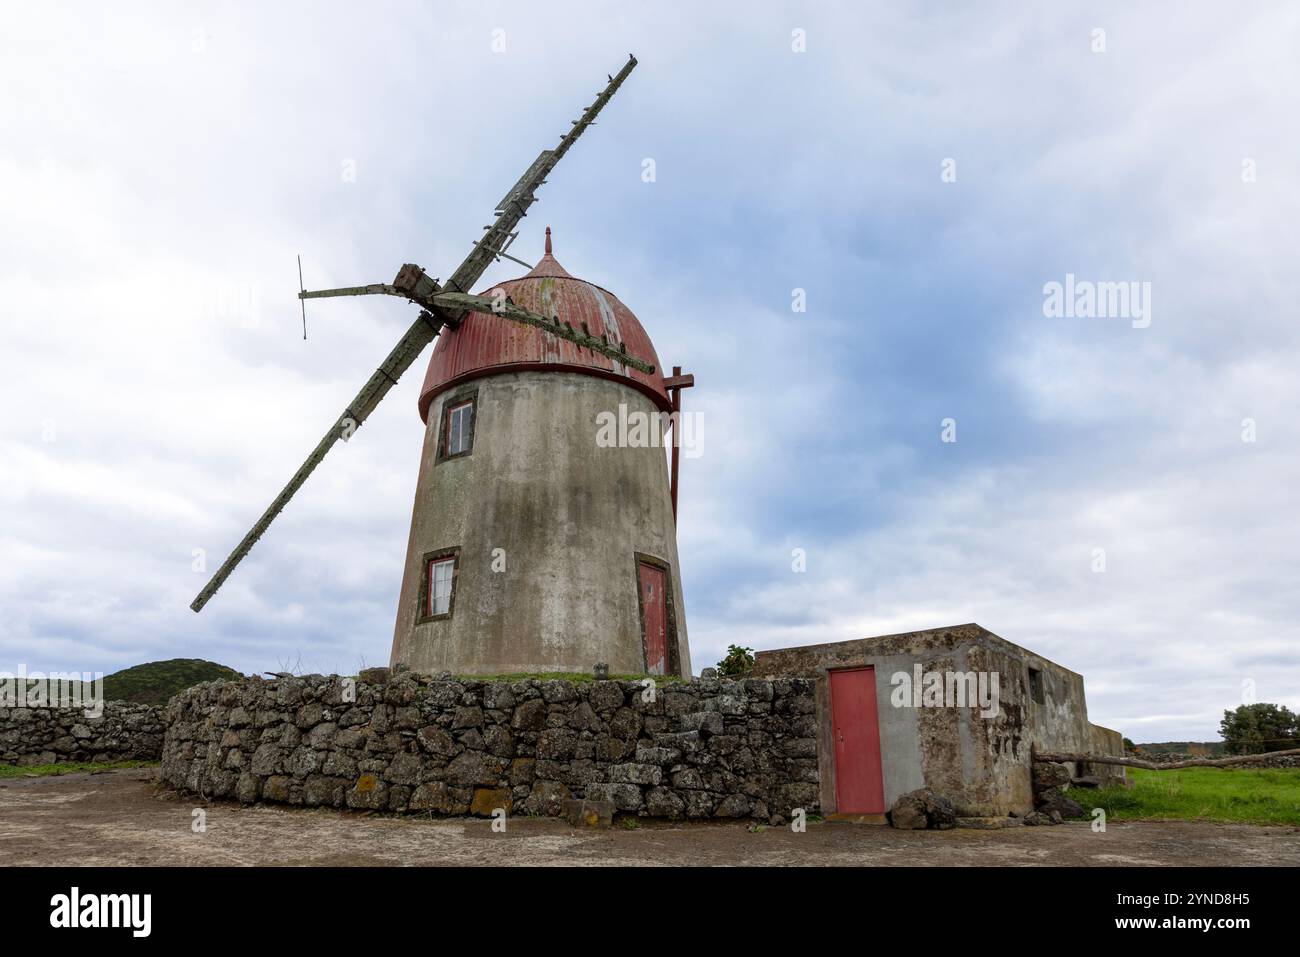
x=633 y=508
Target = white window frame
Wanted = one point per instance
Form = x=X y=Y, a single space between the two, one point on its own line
x=458 y=420
x=439 y=599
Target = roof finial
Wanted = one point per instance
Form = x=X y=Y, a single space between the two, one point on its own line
x=548 y=240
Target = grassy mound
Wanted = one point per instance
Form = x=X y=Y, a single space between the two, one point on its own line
x=155 y=682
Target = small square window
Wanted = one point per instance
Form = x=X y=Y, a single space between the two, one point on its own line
x=1036 y=685
x=458 y=429
x=441 y=578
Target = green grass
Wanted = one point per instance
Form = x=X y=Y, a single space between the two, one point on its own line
x=1251 y=795
x=70 y=767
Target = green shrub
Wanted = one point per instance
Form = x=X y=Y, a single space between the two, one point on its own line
x=738 y=661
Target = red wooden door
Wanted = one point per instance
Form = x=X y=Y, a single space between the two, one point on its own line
x=859 y=783
x=654 y=617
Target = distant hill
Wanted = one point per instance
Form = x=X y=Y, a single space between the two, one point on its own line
x=1207 y=749
x=155 y=682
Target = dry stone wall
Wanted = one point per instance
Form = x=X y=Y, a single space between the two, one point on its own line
x=123 y=732
x=411 y=743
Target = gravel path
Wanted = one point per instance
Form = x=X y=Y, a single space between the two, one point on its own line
x=122 y=818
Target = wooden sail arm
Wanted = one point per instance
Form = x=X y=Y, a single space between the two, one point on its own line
x=414 y=284
x=374 y=289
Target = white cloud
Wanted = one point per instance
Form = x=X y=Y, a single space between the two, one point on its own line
x=163 y=170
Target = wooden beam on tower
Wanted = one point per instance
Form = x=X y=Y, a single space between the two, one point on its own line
x=674 y=384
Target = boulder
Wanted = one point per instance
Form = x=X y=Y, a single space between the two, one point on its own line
x=488 y=800
x=581 y=813
x=940 y=812
x=434 y=740
x=558 y=691
x=530 y=716
x=439 y=798
x=498 y=696
x=469 y=717
x=1058 y=802
x=733 y=805
x=1050 y=775
x=625 y=797
x=908 y=813
x=548 y=798
x=662 y=802
x=923 y=808
x=634 y=774
x=605 y=695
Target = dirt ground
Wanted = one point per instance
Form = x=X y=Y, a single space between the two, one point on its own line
x=123 y=818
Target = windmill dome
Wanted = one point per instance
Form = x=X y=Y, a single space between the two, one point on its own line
x=488 y=344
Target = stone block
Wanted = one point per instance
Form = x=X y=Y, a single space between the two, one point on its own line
x=588 y=813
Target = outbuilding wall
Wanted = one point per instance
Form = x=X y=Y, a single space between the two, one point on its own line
x=1106 y=741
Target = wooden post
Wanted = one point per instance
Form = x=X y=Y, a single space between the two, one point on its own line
x=677 y=433
x=674 y=385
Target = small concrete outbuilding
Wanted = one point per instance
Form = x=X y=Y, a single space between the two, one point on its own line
x=956 y=710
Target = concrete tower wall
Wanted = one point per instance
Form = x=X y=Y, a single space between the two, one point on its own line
x=572 y=520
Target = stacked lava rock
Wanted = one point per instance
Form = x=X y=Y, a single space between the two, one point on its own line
x=1052 y=806
x=405 y=742
x=122 y=732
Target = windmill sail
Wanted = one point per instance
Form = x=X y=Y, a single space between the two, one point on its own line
x=413 y=283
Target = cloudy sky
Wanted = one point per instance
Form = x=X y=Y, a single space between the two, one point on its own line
x=161 y=169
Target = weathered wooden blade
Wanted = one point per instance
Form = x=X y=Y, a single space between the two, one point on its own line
x=515 y=205
x=384 y=378
x=374 y=289
x=414 y=284
x=461 y=302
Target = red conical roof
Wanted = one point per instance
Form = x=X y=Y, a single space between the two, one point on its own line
x=487 y=344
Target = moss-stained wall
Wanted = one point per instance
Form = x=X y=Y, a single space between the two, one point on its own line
x=411 y=743
x=123 y=732
x=981 y=763
x=549 y=526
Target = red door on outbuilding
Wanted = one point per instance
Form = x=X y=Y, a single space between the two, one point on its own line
x=654 y=617
x=859 y=782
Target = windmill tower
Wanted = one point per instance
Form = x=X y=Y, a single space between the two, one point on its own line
x=534 y=546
